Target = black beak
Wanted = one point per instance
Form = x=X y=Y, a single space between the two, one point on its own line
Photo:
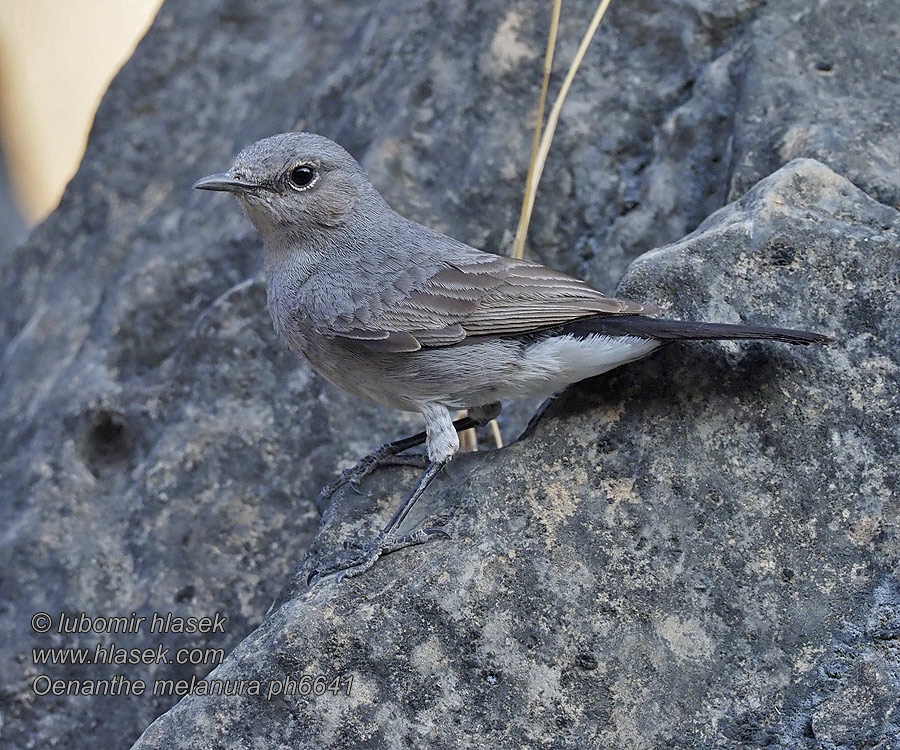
x=224 y=182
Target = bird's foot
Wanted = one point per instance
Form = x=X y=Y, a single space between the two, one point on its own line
x=355 y=474
x=383 y=545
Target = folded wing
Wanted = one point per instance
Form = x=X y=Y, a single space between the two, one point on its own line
x=480 y=295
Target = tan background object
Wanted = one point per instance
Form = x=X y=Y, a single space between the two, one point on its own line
x=57 y=58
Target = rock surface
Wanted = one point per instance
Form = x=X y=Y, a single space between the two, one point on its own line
x=702 y=554
x=698 y=550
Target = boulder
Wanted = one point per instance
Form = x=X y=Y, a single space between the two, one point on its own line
x=696 y=550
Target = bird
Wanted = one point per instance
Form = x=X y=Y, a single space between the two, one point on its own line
x=405 y=316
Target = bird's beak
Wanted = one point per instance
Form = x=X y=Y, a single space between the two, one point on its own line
x=225 y=182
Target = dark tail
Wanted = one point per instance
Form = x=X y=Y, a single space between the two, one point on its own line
x=687 y=330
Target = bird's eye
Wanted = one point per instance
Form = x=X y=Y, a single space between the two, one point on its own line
x=302 y=176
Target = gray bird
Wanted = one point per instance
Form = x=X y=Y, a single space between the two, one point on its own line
x=400 y=314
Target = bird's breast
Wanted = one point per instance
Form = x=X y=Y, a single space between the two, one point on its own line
x=287 y=313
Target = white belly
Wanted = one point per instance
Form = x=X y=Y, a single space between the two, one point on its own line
x=552 y=364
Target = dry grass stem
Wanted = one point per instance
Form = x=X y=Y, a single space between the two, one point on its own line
x=534 y=176
x=525 y=215
x=495 y=433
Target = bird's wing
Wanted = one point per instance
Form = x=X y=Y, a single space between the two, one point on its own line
x=479 y=295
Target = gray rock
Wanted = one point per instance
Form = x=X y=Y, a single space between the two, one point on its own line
x=796 y=79
x=161 y=452
x=699 y=550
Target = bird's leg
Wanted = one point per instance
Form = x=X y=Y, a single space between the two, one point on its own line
x=386 y=541
x=388 y=454
x=443 y=442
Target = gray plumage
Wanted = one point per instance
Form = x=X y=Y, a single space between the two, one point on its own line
x=395 y=312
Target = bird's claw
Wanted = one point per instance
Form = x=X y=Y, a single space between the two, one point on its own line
x=355 y=474
x=381 y=546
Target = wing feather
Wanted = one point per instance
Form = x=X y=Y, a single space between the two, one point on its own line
x=481 y=294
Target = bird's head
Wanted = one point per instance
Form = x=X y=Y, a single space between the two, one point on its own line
x=296 y=183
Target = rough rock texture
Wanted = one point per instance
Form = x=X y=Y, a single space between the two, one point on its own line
x=722 y=576
x=697 y=551
x=800 y=80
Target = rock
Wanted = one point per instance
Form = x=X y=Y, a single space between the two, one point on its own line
x=698 y=550
x=161 y=452
x=800 y=80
